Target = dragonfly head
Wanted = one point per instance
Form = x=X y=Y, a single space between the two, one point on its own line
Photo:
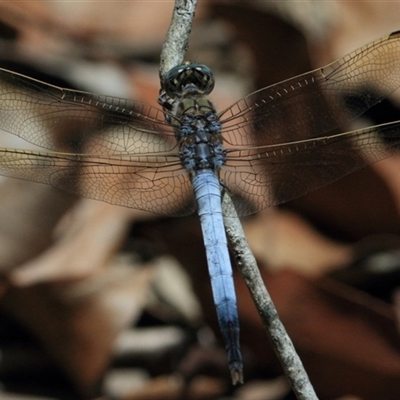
x=189 y=78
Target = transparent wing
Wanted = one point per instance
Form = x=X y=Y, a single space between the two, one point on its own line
x=148 y=182
x=282 y=138
x=119 y=149
x=317 y=102
x=56 y=118
x=104 y=148
x=268 y=175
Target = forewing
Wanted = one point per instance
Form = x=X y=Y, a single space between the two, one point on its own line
x=67 y=120
x=320 y=101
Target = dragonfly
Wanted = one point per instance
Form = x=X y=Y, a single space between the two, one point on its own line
x=271 y=146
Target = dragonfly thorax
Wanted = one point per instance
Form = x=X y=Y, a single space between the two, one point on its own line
x=197 y=125
x=194 y=117
x=199 y=134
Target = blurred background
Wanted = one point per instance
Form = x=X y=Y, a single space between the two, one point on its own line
x=99 y=301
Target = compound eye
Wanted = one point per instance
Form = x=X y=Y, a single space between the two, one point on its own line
x=172 y=81
x=204 y=77
x=197 y=77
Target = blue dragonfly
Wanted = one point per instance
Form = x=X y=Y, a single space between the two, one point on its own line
x=272 y=146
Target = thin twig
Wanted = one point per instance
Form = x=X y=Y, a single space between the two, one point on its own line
x=281 y=341
x=177 y=39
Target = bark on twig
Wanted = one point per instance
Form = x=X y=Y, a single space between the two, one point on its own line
x=281 y=341
x=177 y=39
